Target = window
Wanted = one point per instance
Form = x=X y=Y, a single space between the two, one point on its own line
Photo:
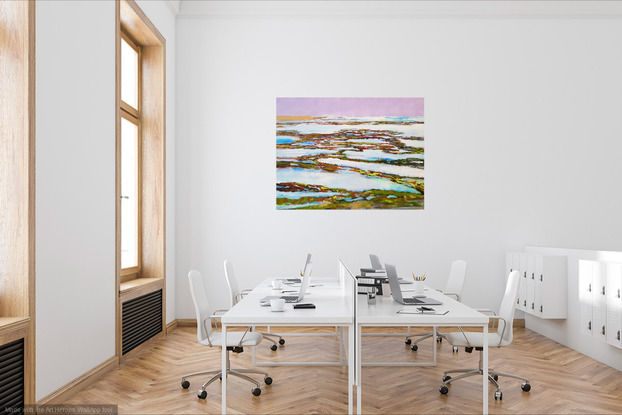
x=140 y=162
x=130 y=158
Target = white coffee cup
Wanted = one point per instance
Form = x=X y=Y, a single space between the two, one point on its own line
x=419 y=287
x=277 y=304
x=276 y=284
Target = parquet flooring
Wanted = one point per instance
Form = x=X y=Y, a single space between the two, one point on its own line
x=563 y=381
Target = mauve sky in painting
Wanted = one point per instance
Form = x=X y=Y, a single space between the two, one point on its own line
x=350 y=107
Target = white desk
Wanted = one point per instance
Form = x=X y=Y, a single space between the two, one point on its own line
x=384 y=313
x=334 y=308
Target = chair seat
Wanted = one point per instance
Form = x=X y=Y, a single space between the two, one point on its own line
x=233 y=339
x=474 y=339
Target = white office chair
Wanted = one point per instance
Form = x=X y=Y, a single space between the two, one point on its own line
x=500 y=338
x=236 y=296
x=235 y=340
x=454 y=285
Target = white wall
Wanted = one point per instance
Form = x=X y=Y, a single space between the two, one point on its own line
x=522 y=147
x=75 y=209
x=75 y=185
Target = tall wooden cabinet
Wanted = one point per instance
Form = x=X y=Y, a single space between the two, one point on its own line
x=17 y=205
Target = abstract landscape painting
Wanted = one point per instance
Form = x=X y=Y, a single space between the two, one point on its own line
x=349 y=153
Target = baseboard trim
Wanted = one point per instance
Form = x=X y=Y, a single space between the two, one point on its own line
x=64 y=393
x=186 y=322
x=171 y=326
x=519 y=322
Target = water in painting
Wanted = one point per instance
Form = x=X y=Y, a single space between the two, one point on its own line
x=349 y=153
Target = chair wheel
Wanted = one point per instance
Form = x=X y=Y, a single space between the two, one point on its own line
x=439 y=339
x=454 y=349
x=256 y=391
x=443 y=390
x=268 y=380
x=281 y=342
x=526 y=387
x=446 y=378
x=185 y=384
x=201 y=394
x=495 y=377
x=498 y=395
x=408 y=341
x=273 y=347
x=414 y=348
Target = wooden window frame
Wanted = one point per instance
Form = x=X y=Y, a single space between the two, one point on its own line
x=133 y=115
x=135 y=27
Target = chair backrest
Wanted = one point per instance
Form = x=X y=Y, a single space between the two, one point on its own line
x=457 y=273
x=508 y=305
x=232 y=283
x=201 y=305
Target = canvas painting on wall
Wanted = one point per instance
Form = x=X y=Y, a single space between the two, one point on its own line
x=349 y=153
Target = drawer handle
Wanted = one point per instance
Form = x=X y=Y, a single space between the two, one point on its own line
x=541 y=309
x=533 y=276
x=603 y=290
x=589 y=287
x=603 y=330
x=618 y=334
x=532 y=306
x=589 y=325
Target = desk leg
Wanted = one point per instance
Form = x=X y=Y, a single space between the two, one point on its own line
x=351 y=368
x=434 y=334
x=485 y=369
x=359 y=366
x=224 y=369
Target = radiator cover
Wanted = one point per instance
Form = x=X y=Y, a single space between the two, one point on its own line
x=12 y=377
x=141 y=320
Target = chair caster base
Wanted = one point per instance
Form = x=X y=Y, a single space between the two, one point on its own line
x=256 y=391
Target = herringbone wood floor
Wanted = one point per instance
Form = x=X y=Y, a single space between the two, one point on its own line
x=563 y=381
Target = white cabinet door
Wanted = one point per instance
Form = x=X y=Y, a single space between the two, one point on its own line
x=530 y=279
x=614 y=304
x=538 y=293
x=599 y=300
x=586 y=269
x=523 y=285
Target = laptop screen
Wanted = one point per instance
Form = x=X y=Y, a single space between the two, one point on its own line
x=375 y=261
x=394 y=283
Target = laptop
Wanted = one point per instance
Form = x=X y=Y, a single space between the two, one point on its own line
x=396 y=291
x=292 y=298
x=297 y=280
x=377 y=265
x=375 y=262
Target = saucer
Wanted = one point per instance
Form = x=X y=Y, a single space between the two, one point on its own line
x=277 y=311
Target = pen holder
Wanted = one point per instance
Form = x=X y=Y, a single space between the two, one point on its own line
x=419 y=287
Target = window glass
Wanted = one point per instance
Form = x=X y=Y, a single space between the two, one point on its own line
x=129 y=194
x=129 y=74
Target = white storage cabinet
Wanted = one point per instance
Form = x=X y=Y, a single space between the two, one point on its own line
x=543 y=290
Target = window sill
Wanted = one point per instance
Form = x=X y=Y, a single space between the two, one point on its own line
x=139 y=286
x=13 y=323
